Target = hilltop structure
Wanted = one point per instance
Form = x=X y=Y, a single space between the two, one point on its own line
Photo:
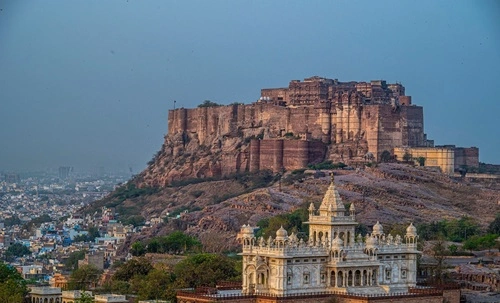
x=288 y=128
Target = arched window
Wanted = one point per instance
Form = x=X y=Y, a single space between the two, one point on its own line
x=332 y=278
x=261 y=278
x=350 y=281
x=340 y=279
x=357 y=278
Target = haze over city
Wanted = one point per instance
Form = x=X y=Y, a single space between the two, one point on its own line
x=89 y=84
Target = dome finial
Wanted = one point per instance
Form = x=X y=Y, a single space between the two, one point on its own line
x=332 y=181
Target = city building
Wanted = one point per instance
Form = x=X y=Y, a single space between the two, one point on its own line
x=45 y=294
x=71 y=296
x=110 y=298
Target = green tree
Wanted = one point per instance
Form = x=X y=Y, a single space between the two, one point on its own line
x=481 y=242
x=459 y=230
x=72 y=262
x=85 y=297
x=37 y=221
x=472 y=243
x=361 y=229
x=494 y=227
x=93 y=233
x=208 y=103
x=13 y=220
x=154 y=285
x=178 y=242
x=205 y=270
x=16 y=250
x=397 y=229
x=136 y=266
x=136 y=220
x=137 y=249
x=153 y=246
x=421 y=161
x=407 y=157
x=439 y=253
x=488 y=241
x=12 y=285
x=84 y=277
x=453 y=249
x=292 y=222
x=385 y=156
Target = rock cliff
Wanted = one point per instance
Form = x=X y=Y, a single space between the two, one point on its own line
x=389 y=193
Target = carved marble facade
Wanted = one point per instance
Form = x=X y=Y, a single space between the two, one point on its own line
x=333 y=259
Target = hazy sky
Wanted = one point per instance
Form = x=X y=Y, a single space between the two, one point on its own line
x=89 y=83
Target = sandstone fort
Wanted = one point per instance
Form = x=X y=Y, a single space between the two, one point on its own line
x=307 y=122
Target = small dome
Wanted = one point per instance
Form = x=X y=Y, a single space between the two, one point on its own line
x=352 y=208
x=281 y=233
x=371 y=241
x=247 y=229
x=337 y=242
x=378 y=229
x=411 y=230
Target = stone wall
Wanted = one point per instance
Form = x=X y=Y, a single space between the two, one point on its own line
x=373 y=128
x=278 y=154
x=387 y=127
x=466 y=157
x=441 y=157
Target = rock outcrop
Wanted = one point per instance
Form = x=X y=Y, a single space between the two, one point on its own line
x=389 y=193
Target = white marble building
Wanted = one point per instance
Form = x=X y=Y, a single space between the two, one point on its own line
x=333 y=259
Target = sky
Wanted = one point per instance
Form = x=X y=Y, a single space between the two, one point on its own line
x=89 y=83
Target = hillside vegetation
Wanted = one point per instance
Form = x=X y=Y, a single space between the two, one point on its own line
x=214 y=210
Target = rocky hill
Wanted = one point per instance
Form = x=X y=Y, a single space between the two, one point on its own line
x=389 y=193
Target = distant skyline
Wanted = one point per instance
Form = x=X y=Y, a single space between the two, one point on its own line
x=89 y=83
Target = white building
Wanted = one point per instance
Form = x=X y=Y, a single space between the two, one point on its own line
x=110 y=298
x=334 y=258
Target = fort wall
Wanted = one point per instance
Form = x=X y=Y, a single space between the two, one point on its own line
x=466 y=157
x=363 y=128
x=441 y=157
x=279 y=154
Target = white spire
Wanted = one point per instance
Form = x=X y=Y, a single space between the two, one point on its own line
x=332 y=201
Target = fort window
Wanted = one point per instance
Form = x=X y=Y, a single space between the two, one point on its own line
x=388 y=274
x=306 y=278
x=289 y=279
